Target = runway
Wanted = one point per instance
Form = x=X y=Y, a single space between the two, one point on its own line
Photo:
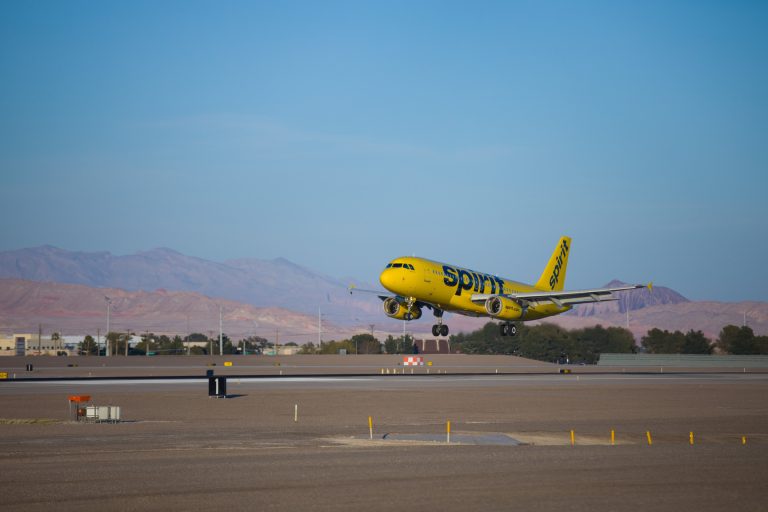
x=180 y=450
x=385 y=382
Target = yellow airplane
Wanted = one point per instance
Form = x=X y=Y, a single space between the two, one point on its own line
x=419 y=283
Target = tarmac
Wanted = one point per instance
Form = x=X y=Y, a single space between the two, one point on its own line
x=292 y=442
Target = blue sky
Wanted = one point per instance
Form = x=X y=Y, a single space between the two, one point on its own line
x=343 y=134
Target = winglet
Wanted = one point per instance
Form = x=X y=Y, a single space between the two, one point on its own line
x=350 y=288
x=650 y=286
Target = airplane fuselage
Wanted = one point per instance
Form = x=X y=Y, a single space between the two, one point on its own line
x=451 y=288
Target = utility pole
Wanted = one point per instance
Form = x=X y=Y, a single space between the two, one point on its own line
x=277 y=341
x=39 y=339
x=319 y=326
x=127 y=337
x=188 y=335
x=221 y=333
x=98 y=342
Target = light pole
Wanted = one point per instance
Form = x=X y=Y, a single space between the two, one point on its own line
x=221 y=333
x=106 y=337
x=373 y=338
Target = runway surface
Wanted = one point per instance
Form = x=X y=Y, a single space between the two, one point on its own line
x=180 y=450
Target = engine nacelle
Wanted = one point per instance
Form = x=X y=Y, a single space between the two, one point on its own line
x=394 y=309
x=503 y=308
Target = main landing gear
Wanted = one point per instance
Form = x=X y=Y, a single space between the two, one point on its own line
x=439 y=329
x=508 y=329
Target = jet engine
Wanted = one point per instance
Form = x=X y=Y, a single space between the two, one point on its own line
x=394 y=309
x=503 y=308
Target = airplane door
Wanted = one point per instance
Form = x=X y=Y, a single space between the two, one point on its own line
x=428 y=281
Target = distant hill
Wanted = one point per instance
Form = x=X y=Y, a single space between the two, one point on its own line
x=631 y=300
x=709 y=317
x=262 y=283
x=79 y=309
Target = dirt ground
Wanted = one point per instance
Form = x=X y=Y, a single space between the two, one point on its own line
x=178 y=449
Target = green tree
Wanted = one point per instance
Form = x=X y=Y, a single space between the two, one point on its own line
x=117 y=342
x=696 y=343
x=547 y=342
x=399 y=345
x=308 y=349
x=657 y=341
x=762 y=344
x=87 y=347
x=227 y=346
x=544 y=342
x=333 y=347
x=587 y=344
x=738 y=340
x=488 y=340
x=366 y=344
x=252 y=345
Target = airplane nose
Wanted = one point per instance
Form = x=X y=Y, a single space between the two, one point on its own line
x=387 y=279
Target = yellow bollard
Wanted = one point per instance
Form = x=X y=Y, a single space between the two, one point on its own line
x=690 y=438
x=370 y=427
x=382 y=371
x=296 y=413
x=743 y=440
x=573 y=438
x=648 y=435
x=613 y=437
x=448 y=432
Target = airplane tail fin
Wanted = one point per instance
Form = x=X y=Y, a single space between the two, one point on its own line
x=553 y=277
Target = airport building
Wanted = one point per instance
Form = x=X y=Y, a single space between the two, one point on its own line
x=27 y=344
x=433 y=346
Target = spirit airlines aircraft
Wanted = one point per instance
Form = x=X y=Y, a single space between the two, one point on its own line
x=418 y=283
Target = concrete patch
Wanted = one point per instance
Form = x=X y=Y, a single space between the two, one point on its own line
x=394 y=438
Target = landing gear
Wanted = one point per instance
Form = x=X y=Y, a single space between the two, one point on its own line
x=508 y=329
x=439 y=329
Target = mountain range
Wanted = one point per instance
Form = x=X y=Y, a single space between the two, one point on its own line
x=261 y=283
x=79 y=309
x=163 y=288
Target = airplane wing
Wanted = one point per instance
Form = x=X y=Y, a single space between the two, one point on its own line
x=381 y=295
x=565 y=298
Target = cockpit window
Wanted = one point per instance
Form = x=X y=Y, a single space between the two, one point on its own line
x=389 y=265
x=410 y=266
x=397 y=265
